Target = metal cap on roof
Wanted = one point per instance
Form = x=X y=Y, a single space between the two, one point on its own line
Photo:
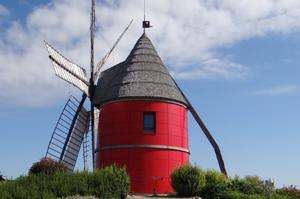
x=141 y=76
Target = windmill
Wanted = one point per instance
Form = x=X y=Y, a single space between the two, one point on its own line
x=129 y=97
x=71 y=130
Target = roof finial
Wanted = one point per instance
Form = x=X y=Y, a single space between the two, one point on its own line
x=146 y=24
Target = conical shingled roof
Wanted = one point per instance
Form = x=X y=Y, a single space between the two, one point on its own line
x=141 y=76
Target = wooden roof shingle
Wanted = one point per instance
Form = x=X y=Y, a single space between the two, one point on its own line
x=141 y=76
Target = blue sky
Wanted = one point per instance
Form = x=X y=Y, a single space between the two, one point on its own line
x=237 y=61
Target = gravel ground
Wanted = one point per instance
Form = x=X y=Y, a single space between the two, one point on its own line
x=131 y=197
x=159 y=197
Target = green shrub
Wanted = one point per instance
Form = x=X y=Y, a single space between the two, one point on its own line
x=239 y=195
x=253 y=185
x=81 y=197
x=24 y=187
x=217 y=184
x=107 y=183
x=290 y=191
x=188 y=180
x=67 y=183
x=47 y=166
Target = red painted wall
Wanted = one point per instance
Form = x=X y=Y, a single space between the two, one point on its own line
x=121 y=123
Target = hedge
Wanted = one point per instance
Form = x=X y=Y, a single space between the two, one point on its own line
x=107 y=183
x=192 y=181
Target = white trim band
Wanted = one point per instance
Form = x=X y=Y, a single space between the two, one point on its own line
x=149 y=146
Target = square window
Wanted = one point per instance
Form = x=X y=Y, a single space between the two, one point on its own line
x=149 y=122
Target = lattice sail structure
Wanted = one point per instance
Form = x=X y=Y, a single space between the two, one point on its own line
x=67 y=70
x=69 y=133
x=86 y=150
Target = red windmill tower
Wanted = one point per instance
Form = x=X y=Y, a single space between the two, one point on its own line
x=142 y=121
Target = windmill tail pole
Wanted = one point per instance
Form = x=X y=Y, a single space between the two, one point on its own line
x=210 y=139
x=206 y=132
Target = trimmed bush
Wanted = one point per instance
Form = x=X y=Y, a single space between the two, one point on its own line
x=110 y=182
x=217 y=184
x=47 y=166
x=188 y=180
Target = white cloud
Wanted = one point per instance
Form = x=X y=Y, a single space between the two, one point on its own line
x=187 y=35
x=212 y=67
x=23 y=2
x=278 y=90
x=3 y=11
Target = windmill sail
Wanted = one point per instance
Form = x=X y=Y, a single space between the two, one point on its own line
x=86 y=150
x=76 y=138
x=69 y=133
x=67 y=70
x=104 y=59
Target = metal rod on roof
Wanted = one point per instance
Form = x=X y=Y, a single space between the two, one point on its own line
x=144 y=10
x=144 y=14
x=146 y=24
